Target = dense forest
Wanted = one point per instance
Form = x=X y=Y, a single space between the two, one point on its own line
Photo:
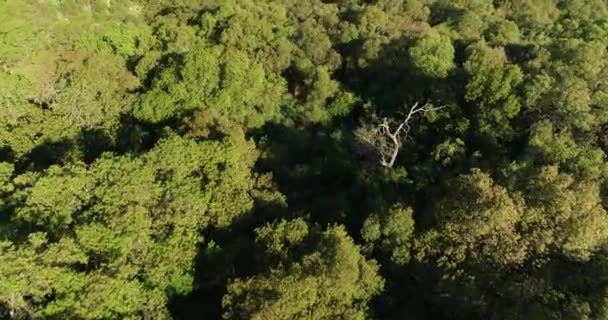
x=304 y=159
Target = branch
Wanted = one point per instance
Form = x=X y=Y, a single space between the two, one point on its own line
x=387 y=142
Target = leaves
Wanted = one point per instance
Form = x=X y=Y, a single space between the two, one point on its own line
x=330 y=280
x=177 y=159
x=433 y=55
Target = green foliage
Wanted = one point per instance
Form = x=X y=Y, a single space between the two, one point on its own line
x=433 y=55
x=6 y=186
x=200 y=158
x=491 y=86
x=128 y=222
x=532 y=14
x=487 y=239
x=227 y=82
x=391 y=232
x=567 y=208
x=331 y=279
x=475 y=224
x=502 y=32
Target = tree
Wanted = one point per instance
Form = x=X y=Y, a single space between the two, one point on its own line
x=491 y=89
x=491 y=246
x=567 y=92
x=123 y=222
x=564 y=214
x=329 y=279
x=207 y=158
x=477 y=223
x=391 y=232
x=226 y=81
x=386 y=142
x=433 y=55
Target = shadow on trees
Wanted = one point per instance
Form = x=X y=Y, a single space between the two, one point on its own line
x=318 y=169
x=225 y=254
x=321 y=173
x=323 y=179
x=132 y=137
x=389 y=81
x=7 y=155
x=391 y=84
x=44 y=155
x=231 y=255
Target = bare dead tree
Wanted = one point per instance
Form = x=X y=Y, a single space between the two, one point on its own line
x=385 y=138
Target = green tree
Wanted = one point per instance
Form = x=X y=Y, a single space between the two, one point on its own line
x=225 y=81
x=491 y=246
x=476 y=224
x=491 y=89
x=433 y=55
x=329 y=280
x=391 y=233
x=123 y=222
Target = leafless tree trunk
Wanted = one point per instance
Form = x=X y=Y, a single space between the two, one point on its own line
x=385 y=138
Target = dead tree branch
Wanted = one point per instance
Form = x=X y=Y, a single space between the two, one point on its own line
x=385 y=138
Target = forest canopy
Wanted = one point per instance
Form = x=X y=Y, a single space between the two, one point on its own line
x=304 y=159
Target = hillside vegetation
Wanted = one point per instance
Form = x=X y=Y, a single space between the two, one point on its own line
x=304 y=159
